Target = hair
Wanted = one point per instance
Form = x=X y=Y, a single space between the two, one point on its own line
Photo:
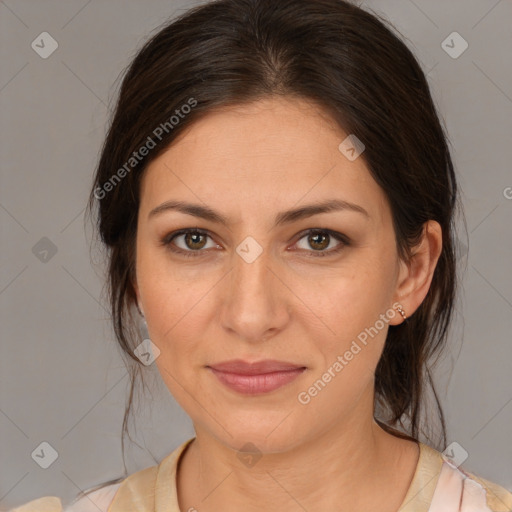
x=350 y=63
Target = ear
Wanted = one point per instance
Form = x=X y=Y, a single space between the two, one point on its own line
x=415 y=276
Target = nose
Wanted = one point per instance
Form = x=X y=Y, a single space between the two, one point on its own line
x=256 y=303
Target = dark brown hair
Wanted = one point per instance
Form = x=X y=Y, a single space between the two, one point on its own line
x=349 y=62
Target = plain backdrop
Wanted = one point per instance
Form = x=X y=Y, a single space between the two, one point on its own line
x=62 y=379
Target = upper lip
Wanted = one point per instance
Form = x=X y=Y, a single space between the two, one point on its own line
x=256 y=368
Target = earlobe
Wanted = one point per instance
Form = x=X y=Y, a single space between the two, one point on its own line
x=398 y=307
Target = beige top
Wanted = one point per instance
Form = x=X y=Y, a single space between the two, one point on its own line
x=437 y=486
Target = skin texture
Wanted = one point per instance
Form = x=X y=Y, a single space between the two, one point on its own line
x=249 y=163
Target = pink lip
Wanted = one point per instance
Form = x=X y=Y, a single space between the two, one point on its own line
x=255 y=378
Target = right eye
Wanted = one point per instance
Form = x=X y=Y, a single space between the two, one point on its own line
x=193 y=240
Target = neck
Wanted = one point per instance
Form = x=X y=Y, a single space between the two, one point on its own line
x=352 y=466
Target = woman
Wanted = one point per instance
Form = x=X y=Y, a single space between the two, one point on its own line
x=277 y=196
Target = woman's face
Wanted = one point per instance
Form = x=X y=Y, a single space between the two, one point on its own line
x=258 y=286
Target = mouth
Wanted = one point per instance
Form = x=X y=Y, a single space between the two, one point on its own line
x=255 y=378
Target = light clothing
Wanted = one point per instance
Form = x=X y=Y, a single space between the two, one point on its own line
x=437 y=486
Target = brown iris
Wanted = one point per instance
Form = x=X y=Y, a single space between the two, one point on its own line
x=318 y=241
x=194 y=239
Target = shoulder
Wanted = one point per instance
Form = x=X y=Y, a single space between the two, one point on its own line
x=46 y=504
x=150 y=488
x=138 y=487
x=95 y=501
x=98 y=500
x=498 y=499
x=460 y=488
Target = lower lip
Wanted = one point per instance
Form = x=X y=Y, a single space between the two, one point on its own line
x=256 y=384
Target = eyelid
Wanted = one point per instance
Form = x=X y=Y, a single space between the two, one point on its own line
x=340 y=237
x=167 y=240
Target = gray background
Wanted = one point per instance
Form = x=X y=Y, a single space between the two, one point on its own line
x=62 y=379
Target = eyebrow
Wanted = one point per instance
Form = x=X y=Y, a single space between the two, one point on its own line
x=286 y=217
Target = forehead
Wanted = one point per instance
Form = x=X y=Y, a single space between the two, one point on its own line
x=270 y=155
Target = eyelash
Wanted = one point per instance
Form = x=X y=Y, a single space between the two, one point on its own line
x=344 y=241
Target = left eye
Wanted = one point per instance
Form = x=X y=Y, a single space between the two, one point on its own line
x=320 y=241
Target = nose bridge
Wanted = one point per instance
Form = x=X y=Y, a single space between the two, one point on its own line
x=251 y=276
x=254 y=304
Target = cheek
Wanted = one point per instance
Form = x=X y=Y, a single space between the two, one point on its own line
x=346 y=300
x=161 y=296
x=357 y=311
x=359 y=314
x=172 y=316
x=168 y=295
x=178 y=313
